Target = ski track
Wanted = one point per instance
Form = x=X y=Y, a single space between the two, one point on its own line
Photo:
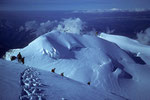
x=32 y=87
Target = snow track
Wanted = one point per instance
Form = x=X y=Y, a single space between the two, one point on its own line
x=32 y=87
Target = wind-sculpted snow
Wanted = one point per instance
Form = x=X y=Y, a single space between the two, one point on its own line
x=129 y=45
x=86 y=58
x=32 y=87
x=19 y=82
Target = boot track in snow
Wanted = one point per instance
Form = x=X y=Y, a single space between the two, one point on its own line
x=32 y=87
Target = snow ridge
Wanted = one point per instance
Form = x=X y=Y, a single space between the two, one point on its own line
x=32 y=87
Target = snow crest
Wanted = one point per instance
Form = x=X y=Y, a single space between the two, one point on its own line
x=92 y=59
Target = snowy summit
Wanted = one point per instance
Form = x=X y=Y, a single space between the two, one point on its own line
x=66 y=66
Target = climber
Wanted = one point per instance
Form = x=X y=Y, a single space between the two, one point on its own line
x=19 y=57
x=53 y=70
x=13 y=58
x=89 y=83
x=22 y=60
x=62 y=74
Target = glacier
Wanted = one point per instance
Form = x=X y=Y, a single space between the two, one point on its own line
x=101 y=60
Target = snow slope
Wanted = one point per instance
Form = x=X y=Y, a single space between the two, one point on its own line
x=86 y=58
x=130 y=45
x=16 y=78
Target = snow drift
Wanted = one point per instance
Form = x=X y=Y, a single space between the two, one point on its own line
x=86 y=58
x=129 y=45
x=43 y=85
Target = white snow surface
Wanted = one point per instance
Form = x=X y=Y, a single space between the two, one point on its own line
x=130 y=45
x=54 y=86
x=86 y=58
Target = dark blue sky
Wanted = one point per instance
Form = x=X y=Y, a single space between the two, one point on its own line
x=72 y=4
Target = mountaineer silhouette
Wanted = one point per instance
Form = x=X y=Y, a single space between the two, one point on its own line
x=62 y=74
x=13 y=58
x=22 y=60
x=19 y=56
x=53 y=70
x=89 y=83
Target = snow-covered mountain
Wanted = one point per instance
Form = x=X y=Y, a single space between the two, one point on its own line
x=129 y=45
x=86 y=58
x=19 y=82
